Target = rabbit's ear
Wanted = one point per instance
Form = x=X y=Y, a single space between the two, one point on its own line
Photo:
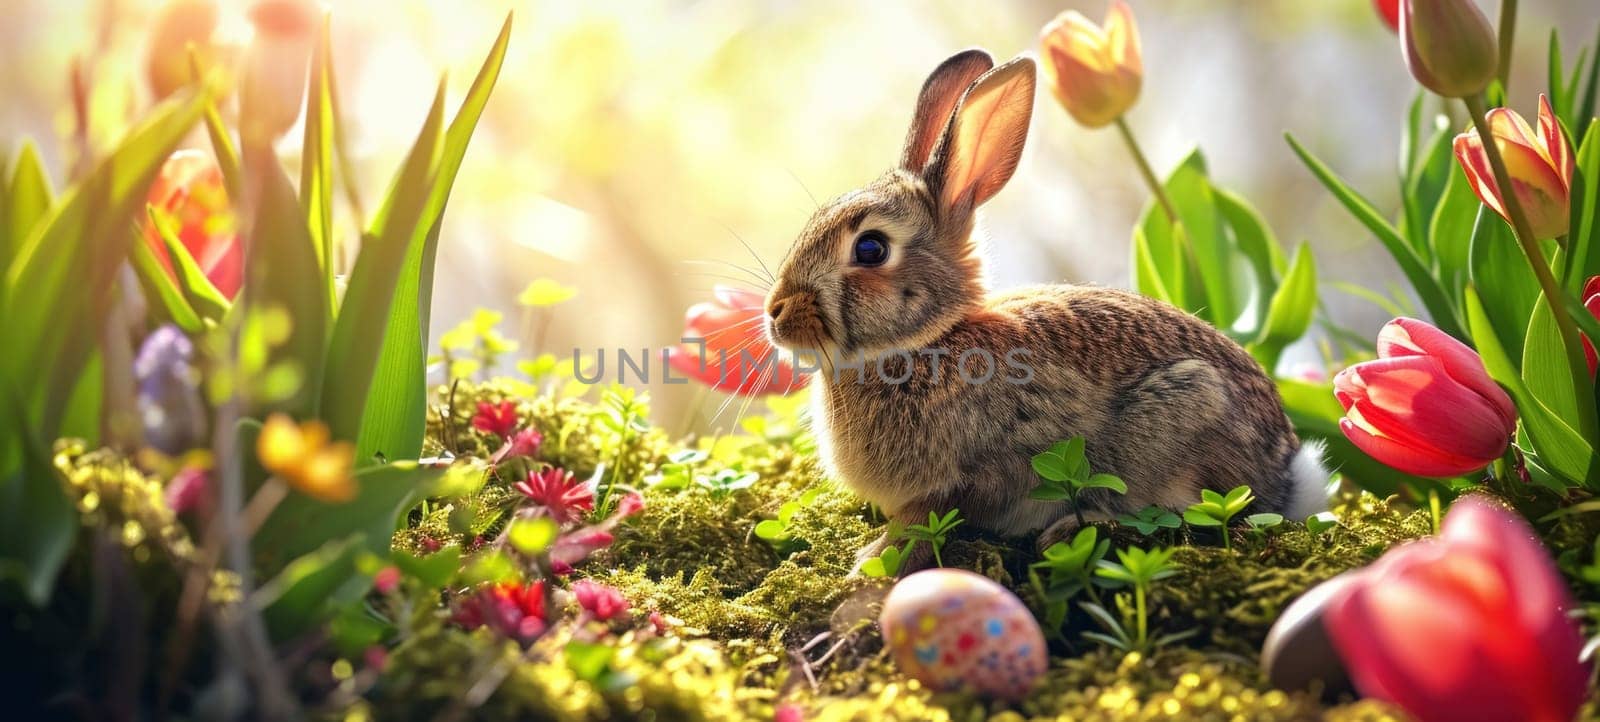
x=981 y=147
x=937 y=103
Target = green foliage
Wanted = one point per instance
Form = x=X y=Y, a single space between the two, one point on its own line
x=1217 y=509
x=935 y=531
x=1137 y=569
x=1321 y=522
x=1066 y=473
x=1066 y=570
x=1150 y=519
x=1222 y=262
x=886 y=564
x=63 y=272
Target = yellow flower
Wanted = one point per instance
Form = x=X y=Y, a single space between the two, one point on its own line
x=1095 y=71
x=302 y=456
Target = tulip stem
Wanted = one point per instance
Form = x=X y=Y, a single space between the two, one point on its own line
x=1433 y=509
x=1508 y=33
x=1160 y=193
x=1145 y=170
x=1553 y=295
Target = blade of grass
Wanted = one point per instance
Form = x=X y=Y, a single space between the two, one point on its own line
x=170 y=304
x=30 y=200
x=1427 y=287
x=363 y=319
x=198 y=290
x=392 y=422
x=66 y=268
x=316 y=158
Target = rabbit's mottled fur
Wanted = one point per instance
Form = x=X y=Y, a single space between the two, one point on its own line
x=1165 y=401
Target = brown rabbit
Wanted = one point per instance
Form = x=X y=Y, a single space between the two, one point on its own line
x=885 y=285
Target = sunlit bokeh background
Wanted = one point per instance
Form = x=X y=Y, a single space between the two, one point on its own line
x=630 y=145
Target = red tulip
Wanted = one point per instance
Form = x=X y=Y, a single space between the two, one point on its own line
x=189 y=198
x=1471 y=625
x=1591 y=301
x=736 y=356
x=1540 y=166
x=1389 y=10
x=1426 y=406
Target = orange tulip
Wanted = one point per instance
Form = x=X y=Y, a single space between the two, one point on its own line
x=1471 y=625
x=178 y=26
x=189 y=199
x=1426 y=406
x=733 y=353
x=1540 y=165
x=1094 y=70
x=1449 y=46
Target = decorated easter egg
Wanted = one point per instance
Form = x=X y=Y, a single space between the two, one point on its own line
x=953 y=630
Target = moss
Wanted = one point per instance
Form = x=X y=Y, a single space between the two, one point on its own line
x=744 y=610
x=113 y=494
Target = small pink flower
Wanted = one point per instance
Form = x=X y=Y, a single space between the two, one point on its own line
x=376 y=657
x=189 y=490
x=498 y=419
x=522 y=443
x=631 y=504
x=515 y=611
x=602 y=602
x=564 y=497
x=386 y=580
x=788 y=713
x=429 y=543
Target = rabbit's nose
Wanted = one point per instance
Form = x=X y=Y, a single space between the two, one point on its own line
x=776 y=310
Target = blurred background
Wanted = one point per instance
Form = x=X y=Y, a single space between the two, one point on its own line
x=630 y=142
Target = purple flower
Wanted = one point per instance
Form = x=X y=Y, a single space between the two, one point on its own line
x=168 y=399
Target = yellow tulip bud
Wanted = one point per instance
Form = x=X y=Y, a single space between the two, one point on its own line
x=1094 y=70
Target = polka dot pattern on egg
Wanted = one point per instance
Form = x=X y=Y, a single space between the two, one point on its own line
x=955 y=630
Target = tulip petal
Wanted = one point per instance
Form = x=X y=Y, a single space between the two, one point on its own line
x=1555 y=143
x=1409 y=337
x=1416 y=642
x=1413 y=401
x=1475 y=162
x=1122 y=37
x=1401 y=457
x=1548 y=667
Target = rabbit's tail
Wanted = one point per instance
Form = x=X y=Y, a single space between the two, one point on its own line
x=1308 y=482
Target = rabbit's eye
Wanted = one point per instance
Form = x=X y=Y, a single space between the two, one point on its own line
x=872 y=249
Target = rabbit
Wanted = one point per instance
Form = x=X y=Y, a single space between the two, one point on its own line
x=890 y=276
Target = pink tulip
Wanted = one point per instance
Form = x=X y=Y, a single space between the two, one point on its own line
x=1471 y=625
x=1426 y=406
x=737 y=356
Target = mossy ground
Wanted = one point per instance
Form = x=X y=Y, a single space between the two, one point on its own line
x=747 y=615
x=752 y=625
